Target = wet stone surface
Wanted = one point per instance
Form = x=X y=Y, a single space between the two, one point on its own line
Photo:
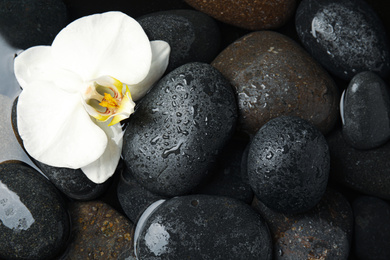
x=193 y=36
x=204 y=227
x=252 y=15
x=288 y=165
x=173 y=138
x=366 y=111
x=34 y=221
x=372 y=228
x=41 y=20
x=346 y=37
x=72 y=182
x=274 y=76
x=98 y=232
x=325 y=232
x=366 y=171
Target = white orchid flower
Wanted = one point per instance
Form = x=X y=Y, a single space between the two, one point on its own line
x=77 y=90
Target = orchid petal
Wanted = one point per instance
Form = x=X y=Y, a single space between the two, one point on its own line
x=104 y=167
x=111 y=43
x=37 y=64
x=56 y=129
x=160 y=59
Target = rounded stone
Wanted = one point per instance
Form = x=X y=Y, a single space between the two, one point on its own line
x=365 y=110
x=26 y=23
x=72 y=182
x=346 y=36
x=372 y=228
x=98 y=232
x=274 y=76
x=178 y=129
x=34 y=222
x=248 y=14
x=288 y=165
x=193 y=36
x=204 y=227
x=324 y=232
x=366 y=171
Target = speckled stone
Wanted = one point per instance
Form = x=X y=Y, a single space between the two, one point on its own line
x=372 y=228
x=174 y=136
x=34 y=221
x=366 y=171
x=345 y=36
x=288 y=165
x=204 y=227
x=26 y=23
x=365 y=110
x=274 y=76
x=248 y=14
x=192 y=35
x=72 y=182
x=98 y=232
x=325 y=232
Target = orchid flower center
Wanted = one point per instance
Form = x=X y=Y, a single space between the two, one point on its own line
x=106 y=98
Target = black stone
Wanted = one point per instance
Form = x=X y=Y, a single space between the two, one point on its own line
x=366 y=171
x=133 y=197
x=345 y=36
x=34 y=222
x=204 y=227
x=372 y=228
x=324 y=232
x=72 y=182
x=173 y=138
x=366 y=111
x=26 y=23
x=288 y=164
x=225 y=179
x=192 y=35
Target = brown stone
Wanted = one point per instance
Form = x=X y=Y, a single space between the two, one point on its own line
x=99 y=232
x=248 y=14
x=274 y=76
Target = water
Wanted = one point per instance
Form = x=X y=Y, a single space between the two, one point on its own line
x=9 y=90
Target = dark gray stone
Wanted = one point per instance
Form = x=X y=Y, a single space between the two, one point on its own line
x=204 y=227
x=26 y=23
x=72 y=182
x=192 y=35
x=34 y=222
x=345 y=36
x=366 y=171
x=288 y=164
x=178 y=129
x=365 y=110
x=372 y=228
x=324 y=232
x=133 y=197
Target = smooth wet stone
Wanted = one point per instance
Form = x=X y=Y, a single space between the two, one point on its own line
x=178 y=129
x=325 y=232
x=193 y=36
x=98 y=232
x=288 y=165
x=133 y=197
x=252 y=15
x=226 y=179
x=366 y=171
x=372 y=228
x=365 y=110
x=346 y=36
x=26 y=23
x=34 y=222
x=204 y=227
x=274 y=76
x=72 y=182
